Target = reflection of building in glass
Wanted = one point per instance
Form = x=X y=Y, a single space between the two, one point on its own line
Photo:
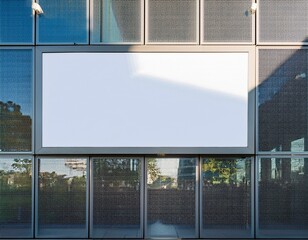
x=186 y=173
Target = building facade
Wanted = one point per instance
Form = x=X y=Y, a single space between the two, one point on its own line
x=153 y=119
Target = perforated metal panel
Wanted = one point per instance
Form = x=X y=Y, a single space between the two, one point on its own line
x=172 y=21
x=62 y=198
x=117 y=21
x=116 y=197
x=227 y=21
x=283 y=193
x=171 y=201
x=283 y=20
x=282 y=97
x=226 y=198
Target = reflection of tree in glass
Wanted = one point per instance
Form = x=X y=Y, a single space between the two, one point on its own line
x=153 y=170
x=15 y=128
x=220 y=171
x=117 y=172
x=16 y=192
x=62 y=199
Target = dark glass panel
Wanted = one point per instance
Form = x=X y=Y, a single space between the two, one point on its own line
x=282 y=100
x=15 y=197
x=62 y=198
x=171 y=201
x=63 y=21
x=16 y=73
x=226 y=198
x=16 y=21
x=116 y=197
x=283 y=194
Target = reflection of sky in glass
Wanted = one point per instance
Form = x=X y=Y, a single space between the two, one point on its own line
x=6 y=164
x=16 y=78
x=168 y=166
x=58 y=166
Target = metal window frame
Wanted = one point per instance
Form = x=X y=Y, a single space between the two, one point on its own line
x=202 y=31
x=37 y=35
x=86 y=229
x=148 y=42
x=263 y=43
x=33 y=91
x=252 y=193
x=141 y=192
x=39 y=149
x=116 y=43
x=258 y=49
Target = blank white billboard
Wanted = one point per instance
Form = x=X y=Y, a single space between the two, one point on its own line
x=145 y=99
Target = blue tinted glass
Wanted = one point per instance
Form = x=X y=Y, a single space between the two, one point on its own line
x=16 y=197
x=63 y=21
x=15 y=100
x=16 y=21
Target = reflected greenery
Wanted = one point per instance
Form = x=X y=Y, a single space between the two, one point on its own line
x=62 y=198
x=16 y=191
x=116 y=192
x=15 y=128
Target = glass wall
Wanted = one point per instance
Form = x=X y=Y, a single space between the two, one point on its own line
x=16 y=99
x=226 y=198
x=15 y=197
x=282 y=100
x=116 y=197
x=117 y=21
x=63 y=21
x=62 y=198
x=16 y=22
x=171 y=197
x=283 y=193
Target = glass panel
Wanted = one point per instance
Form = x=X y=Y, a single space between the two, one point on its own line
x=283 y=194
x=16 y=73
x=116 y=21
x=63 y=21
x=171 y=202
x=226 y=198
x=62 y=198
x=227 y=21
x=116 y=197
x=15 y=197
x=282 y=100
x=16 y=21
x=172 y=20
x=283 y=20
